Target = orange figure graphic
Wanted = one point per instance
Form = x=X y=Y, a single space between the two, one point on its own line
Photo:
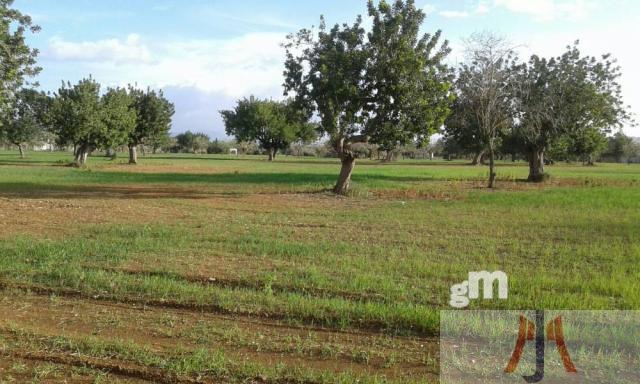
x=526 y=333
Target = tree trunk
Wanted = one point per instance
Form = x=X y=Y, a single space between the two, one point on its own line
x=389 y=157
x=271 y=154
x=477 y=157
x=344 y=180
x=82 y=152
x=589 y=161
x=492 y=168
x=21 y=149
x=536 y=166
x=133 y=154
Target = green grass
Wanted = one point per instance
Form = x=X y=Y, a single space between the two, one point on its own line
x=288 y=174
x=378 y=260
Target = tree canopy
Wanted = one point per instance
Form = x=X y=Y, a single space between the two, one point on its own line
x=17 y=65
x=566 y=95
x=274 y=125
x=386 y=88
x=17 y=58
x=153 y=119
x=27 y=118
x=82 y=117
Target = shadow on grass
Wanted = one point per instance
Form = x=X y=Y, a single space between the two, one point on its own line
x=32 y=163
x=319 y=161
x=183 y=185
x=48 y=191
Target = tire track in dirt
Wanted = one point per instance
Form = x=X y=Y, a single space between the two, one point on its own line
x=370 y=327
x=113 y=367
x=147 y=326
x=255 y=285
x=16 y=369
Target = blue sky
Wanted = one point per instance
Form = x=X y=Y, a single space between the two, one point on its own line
x=207 y=54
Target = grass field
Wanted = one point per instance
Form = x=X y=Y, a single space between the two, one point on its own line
x=190 y=268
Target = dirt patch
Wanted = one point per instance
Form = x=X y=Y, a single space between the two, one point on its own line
x=165 y=330
x=55 y=217
x=24 y=368
x=167 y=168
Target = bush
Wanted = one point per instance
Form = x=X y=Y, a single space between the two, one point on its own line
x=216 y=148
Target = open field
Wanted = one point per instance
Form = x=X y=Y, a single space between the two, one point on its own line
x=190 y=268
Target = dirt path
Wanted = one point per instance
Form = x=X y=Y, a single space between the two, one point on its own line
x=30 y=369
x=167 y=330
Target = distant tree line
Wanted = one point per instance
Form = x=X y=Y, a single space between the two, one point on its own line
x=389 y=89
x=381 y=93
x=77 y=115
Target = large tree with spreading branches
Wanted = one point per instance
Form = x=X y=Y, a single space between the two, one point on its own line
x=387 y=87
x=274 y=125
x=565 y=95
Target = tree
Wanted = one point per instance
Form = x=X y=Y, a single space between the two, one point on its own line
x=336 y=75
x=17 y=63
x=484 y=95
x=154 y=113
x=566 y=95
x=81 y=117
x=17 y=59
x=274 y=125
x=26 y=120
x=76 y=117
x=620 y=146
x=160 y=141
x=192 y=142
x=326 y=74
x=216 y=147
x=119 y=117
x=407 y=83
x=462 y=134
x=587 y=144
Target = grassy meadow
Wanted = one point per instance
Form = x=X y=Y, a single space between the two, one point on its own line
x=199 y=268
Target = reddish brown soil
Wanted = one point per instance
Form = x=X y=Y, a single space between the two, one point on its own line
x=163 y=330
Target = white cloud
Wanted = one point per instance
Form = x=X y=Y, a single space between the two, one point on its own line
x=249 y=64
x=482 y=8
x=548 y=10
x=111 y=50
x=429 y=9
x=454 y=14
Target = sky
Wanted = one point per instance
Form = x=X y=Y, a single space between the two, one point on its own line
x=206 y=54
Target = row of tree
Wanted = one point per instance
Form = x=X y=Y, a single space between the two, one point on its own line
x=601 y=147
x=562 y=106
x=78 y=115
x=390 y=87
